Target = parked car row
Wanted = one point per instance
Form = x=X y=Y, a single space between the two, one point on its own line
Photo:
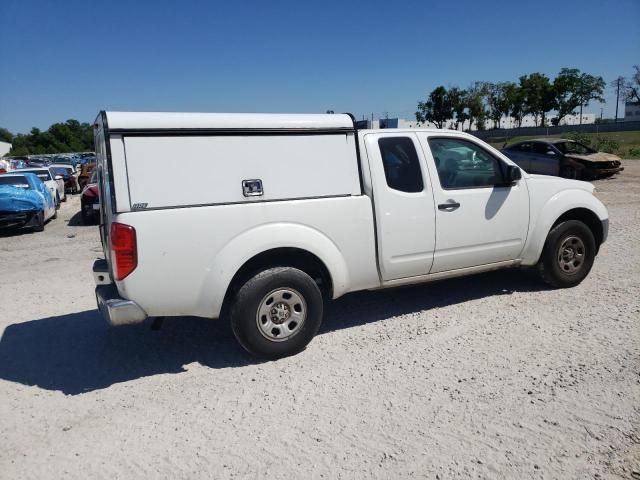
x=33 y=187
x=562 y=158
x=71 y=172
x=43 y=160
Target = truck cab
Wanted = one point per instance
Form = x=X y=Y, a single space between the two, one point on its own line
x=288 y=211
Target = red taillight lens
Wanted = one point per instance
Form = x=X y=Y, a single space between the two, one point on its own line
x=124 y=249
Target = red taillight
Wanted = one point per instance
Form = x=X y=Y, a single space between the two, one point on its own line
x=124 y=249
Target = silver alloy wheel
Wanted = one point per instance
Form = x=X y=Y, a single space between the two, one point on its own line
x=281 y=314
x=571 y=254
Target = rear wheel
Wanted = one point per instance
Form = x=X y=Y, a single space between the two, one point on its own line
x=57 y=200
x=277 y=312
x=571 y=171
x=568 y=254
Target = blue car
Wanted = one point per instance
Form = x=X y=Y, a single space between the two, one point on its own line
x=24 y=202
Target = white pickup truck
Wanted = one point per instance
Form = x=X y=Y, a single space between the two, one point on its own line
x=261 y=218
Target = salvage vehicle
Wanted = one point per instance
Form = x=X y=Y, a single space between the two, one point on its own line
x=90 y=200
x=54 y=183
x=85 y=173
x=69 y=175
x=24 y=202
x=299 y=209
x=563 y=158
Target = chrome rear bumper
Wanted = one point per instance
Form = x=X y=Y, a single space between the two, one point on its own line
x=115 y=309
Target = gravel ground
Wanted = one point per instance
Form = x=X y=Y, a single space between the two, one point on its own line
x=492 y=376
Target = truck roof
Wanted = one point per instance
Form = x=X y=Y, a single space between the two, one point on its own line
x=414 y=130
x=197 y=121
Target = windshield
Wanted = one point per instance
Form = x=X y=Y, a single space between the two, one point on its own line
x=16 y=181
x=60 y=171
x=574 y=147
x=42 y=174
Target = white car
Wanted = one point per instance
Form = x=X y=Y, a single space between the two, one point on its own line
x=55 y=183
x=291 y=210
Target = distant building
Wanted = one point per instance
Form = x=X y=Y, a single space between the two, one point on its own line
x=4 y=148
x=632 y=112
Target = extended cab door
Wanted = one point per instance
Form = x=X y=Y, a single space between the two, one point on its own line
x=403 y=201
x=479 y=218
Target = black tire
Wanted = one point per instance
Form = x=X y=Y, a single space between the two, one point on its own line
x=39 y=227
x=87 y=217
x=55 y=215
x=253 y=295
x=568 y=254
x=570 y=171
x=57 y=201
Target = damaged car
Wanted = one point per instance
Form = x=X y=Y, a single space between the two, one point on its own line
x=563 y=158
x=90 y=200
x=69 y=176
x=24 y=202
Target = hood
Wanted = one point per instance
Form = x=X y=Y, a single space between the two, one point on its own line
x=594 y=157
x=558 y=183
x=16 y=199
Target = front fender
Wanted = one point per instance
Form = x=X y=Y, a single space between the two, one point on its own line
x=545 y=215
x=244 y=246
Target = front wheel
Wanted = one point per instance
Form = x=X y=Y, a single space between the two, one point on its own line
x=277 y=312
x=39 y=226
x=568 y=254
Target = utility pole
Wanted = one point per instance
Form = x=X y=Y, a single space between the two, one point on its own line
x=617 y=97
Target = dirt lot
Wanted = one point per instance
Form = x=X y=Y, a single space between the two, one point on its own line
x=492 y=376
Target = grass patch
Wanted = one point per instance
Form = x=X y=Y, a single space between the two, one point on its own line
x=628 y=142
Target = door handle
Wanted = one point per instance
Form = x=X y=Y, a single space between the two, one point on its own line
x=449 y=207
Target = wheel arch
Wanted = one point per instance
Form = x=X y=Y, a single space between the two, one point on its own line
x=294 y=257
x=274 y=244
x=586 y=216
x=567 y=205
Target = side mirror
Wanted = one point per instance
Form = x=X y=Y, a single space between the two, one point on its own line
x=513 y=174
x=58 y=177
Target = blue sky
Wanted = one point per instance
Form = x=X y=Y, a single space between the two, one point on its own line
x=70 y=59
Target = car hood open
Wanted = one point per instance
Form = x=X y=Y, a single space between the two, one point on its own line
x=594 y=157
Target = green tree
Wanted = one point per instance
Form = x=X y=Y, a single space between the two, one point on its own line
x=70 y=136
x=632 y=87
x=6 y=135
x=475 y=104
x=590 y=88
x=515 y=102
x=458 y=102
x=567 y=92
x=538 y=95
x=438 y=108
x=497 y=101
